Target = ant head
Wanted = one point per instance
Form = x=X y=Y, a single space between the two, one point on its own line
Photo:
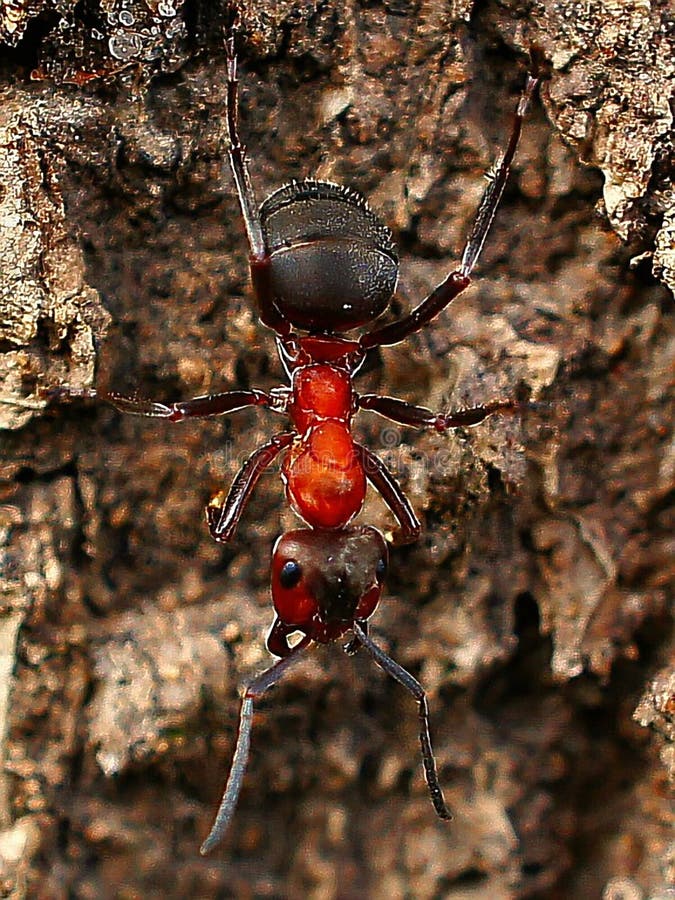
x=324 y=580
x=333 y=263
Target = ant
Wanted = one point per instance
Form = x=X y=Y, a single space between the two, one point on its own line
x=323 y=263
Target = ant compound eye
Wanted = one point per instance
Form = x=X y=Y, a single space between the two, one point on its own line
x=381 y=568
x=290 y=575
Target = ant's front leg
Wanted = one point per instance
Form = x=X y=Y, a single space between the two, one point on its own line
x=197 y=408
x=420 y=417
x=391 y=492
x=224 y=511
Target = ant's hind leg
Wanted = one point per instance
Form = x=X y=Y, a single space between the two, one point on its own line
x=259 y=259
x=497 y=178
x=238 y=161
x=456 y=282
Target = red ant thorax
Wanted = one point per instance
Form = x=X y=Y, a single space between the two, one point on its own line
x=324 y=478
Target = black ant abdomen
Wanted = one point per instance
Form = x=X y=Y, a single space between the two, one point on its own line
x=333 y=264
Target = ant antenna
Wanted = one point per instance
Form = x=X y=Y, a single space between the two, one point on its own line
x=397 y=672
x=236 y=777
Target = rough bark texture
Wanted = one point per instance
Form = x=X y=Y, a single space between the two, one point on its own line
x=536 y=607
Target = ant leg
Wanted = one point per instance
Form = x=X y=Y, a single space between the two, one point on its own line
x=259 y=259
x=237 y=155
x=198 y=407
x=497 y=178
x=436 y=302
x=385 y=483
x=420 y=417
x=391 y=667
x=223 y=513
x=236 y=777
x=457 y=281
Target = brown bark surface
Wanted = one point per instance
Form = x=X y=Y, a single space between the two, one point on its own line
x=536 y=608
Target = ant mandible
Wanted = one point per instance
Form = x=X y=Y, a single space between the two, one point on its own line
x=322 y=262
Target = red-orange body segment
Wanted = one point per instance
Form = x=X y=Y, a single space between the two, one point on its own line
x=324 y=477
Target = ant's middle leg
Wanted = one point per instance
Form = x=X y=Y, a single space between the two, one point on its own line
x=420 y=417
x=198 y=407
